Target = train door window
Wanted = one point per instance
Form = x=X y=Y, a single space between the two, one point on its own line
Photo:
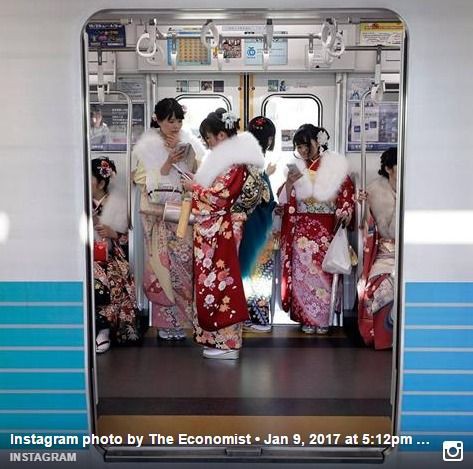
x=288 y=112
x=199 y=106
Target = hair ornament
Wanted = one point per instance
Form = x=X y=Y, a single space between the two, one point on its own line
x=229 y=119
x=105 y=169
x=322 y=138
x=260 y=122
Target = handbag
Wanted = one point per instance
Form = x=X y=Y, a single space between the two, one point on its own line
x=337 y=259
x=100 y=251
x=173 y=212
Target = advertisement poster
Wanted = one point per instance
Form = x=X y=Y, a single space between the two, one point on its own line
x=108 y=126
x=106 y=35
x=254 y=51
x=385 y=34
x=134 y=87
x=231 y=49
x=286 y=139
x=190 y=51
x=381 y=126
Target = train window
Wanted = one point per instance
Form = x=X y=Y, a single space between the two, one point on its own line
x=288 y=112
x=199 y=106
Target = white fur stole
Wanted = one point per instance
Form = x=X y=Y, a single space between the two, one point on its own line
x=326 y=183
x=152 y=152
x=240 y=149
x=114 y=212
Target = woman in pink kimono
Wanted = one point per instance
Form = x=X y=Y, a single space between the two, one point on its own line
x=376 y=285
x=226 y=187
x=317 y=195
x=168 y=280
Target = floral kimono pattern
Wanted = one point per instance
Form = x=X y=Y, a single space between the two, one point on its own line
x=376 y=289
x=115 y=294
x=220 y=299
x=306 y=233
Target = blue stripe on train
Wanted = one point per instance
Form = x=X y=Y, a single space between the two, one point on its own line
x=42 y=401
x=42 y=337
x=35 y=381
x=438 y=360
x=436 y=423
x=437 y=403
x=57 y=421
x=41 y=315
x=438 y=382
x=42 y=359
x=439 y=292
x=438 y=316
x=438 y=338
x=41 y=292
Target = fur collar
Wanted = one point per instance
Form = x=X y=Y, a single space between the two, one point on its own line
x=240 y=149
x=329 y=177
x=150 y=148
x=114 y=212
x=382 y=202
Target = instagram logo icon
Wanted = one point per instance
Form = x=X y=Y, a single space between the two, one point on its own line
x=452 y=451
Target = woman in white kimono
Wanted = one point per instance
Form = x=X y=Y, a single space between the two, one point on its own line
x=168 y=279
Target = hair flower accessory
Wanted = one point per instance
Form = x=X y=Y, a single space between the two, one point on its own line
x=229 y=119
x=322 y=138
x=105 y=170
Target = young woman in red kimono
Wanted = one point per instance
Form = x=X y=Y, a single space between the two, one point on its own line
x=225 y=189
x=376 y=285
x=318 y=193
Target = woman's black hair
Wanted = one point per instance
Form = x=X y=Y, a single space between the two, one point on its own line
x=213 y=124
x=263 y=129
x=165 y=109
x=388 y=160
x=307 y=132
x=102 y=170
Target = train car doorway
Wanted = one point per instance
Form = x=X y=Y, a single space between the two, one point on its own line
x=293 y=68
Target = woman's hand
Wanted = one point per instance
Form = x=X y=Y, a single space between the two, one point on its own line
x=106 y=232
x=292 y=177
x=188 y=184
x=343 y=218
x=279 y=210
x=362 y=195
x=174 y=156
x=271 y=168
x=171 y=140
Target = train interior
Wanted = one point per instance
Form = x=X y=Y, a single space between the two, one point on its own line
x=276 y=64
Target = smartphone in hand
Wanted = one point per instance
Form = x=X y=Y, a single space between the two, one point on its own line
x=181 y=172
x=293 y=168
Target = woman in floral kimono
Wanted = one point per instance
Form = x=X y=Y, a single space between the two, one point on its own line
x=376 y=285
x=226 y=187
x=168 y=281
x=256 y=250
x=114 y=288
x=317 y=195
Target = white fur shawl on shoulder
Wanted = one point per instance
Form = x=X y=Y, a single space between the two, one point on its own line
x=114 y=212
x=328 y=178
x=240 y=149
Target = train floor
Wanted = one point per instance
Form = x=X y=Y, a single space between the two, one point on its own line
x=285 y=380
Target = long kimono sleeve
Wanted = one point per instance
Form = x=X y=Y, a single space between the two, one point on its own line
x=222 y=194
x=220 y=298
x=346 y=199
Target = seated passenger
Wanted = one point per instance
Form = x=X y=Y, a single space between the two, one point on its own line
x=226 y=187
x=99 y=131
x=114 y=288
x=376 y=285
